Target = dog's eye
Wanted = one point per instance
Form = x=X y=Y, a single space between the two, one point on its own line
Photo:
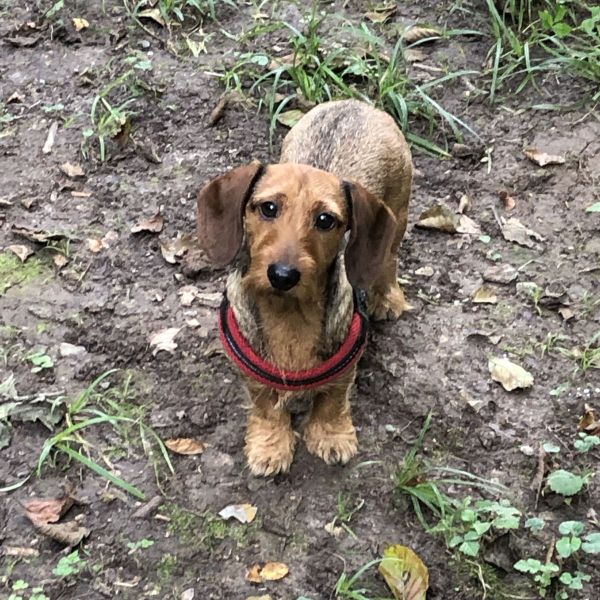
x=325 y=221
x=268 y=210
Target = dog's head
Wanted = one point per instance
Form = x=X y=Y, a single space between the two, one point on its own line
x=294 y=218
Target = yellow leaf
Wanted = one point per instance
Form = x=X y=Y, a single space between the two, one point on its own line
x=510 y=375
x=244 y=513
x=273 y=571
x=185 y=446
x=485 y=295
x=253 y=574
x=80 y=24
x=405 y=573
x=416 y=33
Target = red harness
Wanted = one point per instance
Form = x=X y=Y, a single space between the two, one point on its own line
x=241 y=353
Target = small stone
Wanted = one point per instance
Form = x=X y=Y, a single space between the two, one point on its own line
x=527 y=450
x=66 y=350
x=425 y=271
x=500 y=274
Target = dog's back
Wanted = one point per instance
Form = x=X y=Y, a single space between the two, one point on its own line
x=354 y=141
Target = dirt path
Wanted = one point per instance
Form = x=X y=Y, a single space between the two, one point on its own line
x=97 y=311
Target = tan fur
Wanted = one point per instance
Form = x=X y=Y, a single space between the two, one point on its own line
x=299 y=328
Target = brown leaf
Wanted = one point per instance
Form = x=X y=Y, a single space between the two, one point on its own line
x=173 y=250
x=589 y=423
x=94 y=245
x=405 y=573
x=218 y=111
x=36 y=235
x=485 y=295
x=154 y=224
x=439 y=217
x=187 y=293
x=508 y=201
x=381 y=14
x=542 y=158
x=164 y=339
x=514 y=231
x=71 y=170
x=187 y=446
x=253 y=574
x=47 y=510
x=153 y=14
x=467 y=225
x=22 y=251
x=274 y=571
x=509 y=374
x=500 y=274
x=566 y=313
x=416 y=33
x=69 y=533
x=60 y=260
x=80 y=23
x=289 y=118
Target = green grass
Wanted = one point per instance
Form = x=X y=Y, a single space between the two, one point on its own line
x=13 y=272
x=363 y=66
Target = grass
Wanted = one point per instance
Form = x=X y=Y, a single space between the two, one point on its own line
x=13 y=272
x=363 y=66
x=544 y=37
x=95 y=408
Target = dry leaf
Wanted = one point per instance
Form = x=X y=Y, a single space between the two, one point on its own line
x=508 y=201
x=187 y=293
x=71 y=170
x=405 y=573
x=154 y=224
x=22 y=251
x=416 y=33
x=80 y=194
x=510 y=375
x=154 y=14
x=47 y=511
x=290 y=117
x=566 y=313
x=464 y=204
x=185 y=446
x=439 y=217
x=412 y=55
x=175 y=249
x=212 y=299
x=50 y=138
x=69 y=533
x=244 y=513
x=80 y=24
x=60 y=260
x=163 y=340
x=589 y=423
x=485 y=295
x=274 y=571
x=253 y=574
x=514 y=231
x=263 y=597
x=467 y=225
x=542 y=158
x=500 y=274
x=381 y=14
x=333 y=529
x=426 y=271
x=94 y=245
x=35 y=235
x=218 y=111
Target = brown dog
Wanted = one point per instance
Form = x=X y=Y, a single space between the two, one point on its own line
x=292 y=324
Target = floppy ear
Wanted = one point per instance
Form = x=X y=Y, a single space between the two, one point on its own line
x=221 y=205
x=372 y=231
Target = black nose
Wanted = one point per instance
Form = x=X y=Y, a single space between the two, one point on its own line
x=283 y=277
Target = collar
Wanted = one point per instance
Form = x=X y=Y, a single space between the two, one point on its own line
x=251 y=364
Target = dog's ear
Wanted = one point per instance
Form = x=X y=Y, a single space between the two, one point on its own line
x=221 y=205
x=372 y=230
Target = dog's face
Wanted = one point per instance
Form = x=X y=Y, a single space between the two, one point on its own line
x=294 y=218
x=295 y=222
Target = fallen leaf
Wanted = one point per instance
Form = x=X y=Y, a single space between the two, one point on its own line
x=50 y=138
x=60 y=260
x=71 y=170
x=426 y=271
x=566 y=313
x=467 y=225
x=439 y=217
x=417 y=33
x=164 y=340
x=464 y=204
x=509 y=374
x=274 y=571
x=94 y=245
x=244 y=513
x=405 y=573
x=22 y=251
x=381 y=14
x=485 y=295
x=153 y=14
x=332 y=529
x=514 y=231
x=80 y=23
x=187 y=294
x=253 y=574
x=212 y=299
x=36 y=235
x=80 y=194
x=508 y=201
x=48 y=510
x=187 y=446
x=69 y=533
x=542 y=158
x=20 y=552
x=412 y=55
x=175 y=249
x=500 y=274
x=23 y=41
x=218 y=111
x=290 y=117
x=589 y=423
x=154 y=224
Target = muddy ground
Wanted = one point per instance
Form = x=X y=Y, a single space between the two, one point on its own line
x=434 y=359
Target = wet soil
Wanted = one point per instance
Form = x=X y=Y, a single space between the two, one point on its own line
x=434 y=358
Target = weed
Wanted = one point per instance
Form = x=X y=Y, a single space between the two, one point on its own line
x=346 y=509
x=72 y=564
x=40 y=361
x=13 y=272
x=586 y=442
x=166 y=567
x=346 y=587
x=363 y=68
x=112 y=408
x=568 y=484
x=587 y=357
x=139 y=545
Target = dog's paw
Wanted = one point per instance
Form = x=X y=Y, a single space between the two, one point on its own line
x=389 y=305
x=334 y=443
x=269 y=447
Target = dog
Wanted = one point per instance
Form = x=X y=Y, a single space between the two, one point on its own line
x=293 y=316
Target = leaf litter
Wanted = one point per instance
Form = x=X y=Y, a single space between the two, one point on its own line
x=405 y=573
x=510 y=375
x=514 y=231
x=244 y=513
x=164 y=340
x=444 y=218
x=187 y=446
x=21 y=250
x=153 y=224
x=270 y=571
x=542 y=158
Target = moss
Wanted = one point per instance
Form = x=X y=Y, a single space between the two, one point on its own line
x=14 y=272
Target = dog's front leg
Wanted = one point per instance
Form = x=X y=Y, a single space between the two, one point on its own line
x=270 y=439
x=329 y=433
